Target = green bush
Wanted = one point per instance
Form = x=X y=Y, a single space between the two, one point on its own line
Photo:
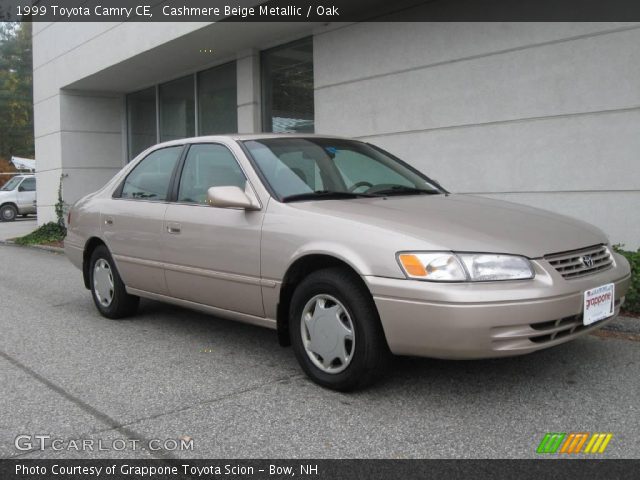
x=47 y=233
x=632 y=303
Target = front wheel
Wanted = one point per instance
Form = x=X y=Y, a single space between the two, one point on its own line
x=8 y=213
x=108 y=290
x=336 y=332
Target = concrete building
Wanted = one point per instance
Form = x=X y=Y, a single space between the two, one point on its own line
x=546 y=114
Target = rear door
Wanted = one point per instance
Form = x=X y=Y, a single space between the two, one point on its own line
x=132 y=221
x=212 y=254
x=26 y=195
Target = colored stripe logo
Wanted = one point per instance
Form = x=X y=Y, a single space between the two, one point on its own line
x=568 y=443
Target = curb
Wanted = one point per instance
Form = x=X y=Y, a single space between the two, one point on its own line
x=46 y=248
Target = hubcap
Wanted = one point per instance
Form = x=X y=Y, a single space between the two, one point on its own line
x=7 y=213
x=103 y=282
x=327 y=333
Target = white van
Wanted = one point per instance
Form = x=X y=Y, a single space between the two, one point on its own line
x=18 y=197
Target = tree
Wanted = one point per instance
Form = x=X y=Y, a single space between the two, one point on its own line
x=16 y=91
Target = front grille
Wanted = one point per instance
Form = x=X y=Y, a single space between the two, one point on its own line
x=576 y=263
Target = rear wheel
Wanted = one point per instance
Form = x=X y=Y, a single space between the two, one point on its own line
x=336 y=332
x=8 y=213
x=108 y=290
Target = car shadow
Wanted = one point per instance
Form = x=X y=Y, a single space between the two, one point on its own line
x=541 y=372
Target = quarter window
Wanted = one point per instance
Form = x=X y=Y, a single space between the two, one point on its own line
x=150 y=179
x=208 y=165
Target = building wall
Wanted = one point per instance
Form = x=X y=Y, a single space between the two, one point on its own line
x=78 y=136
x=79 y=133
x=82 y=72
x=542 y=114
x=545 y=114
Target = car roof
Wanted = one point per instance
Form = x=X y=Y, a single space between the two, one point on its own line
x=244 y=136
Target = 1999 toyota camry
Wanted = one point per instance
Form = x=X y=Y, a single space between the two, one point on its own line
x=349 y=253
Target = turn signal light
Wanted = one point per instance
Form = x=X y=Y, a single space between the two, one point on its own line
x=412 y=265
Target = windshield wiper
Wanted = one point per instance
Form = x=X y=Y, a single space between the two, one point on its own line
x=402 y=190
x=325 y=195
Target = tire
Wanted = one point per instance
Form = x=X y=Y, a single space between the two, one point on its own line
x=342 y=299
x=107 y=288
x=8 y=213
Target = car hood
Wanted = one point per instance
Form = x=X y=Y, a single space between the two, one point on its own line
x=465 y=223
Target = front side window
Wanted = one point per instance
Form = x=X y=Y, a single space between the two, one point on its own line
x=206 y=166
x=11 y=184
x=310 y=168
x=29 y=185
x=150 y=179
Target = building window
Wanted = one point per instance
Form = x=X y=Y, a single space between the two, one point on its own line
x=287 y=87
x=218 y=100
x=141 y=120
x=177 y=109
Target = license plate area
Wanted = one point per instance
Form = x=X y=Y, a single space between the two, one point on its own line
x=598 y=303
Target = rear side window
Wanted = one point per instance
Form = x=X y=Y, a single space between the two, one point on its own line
x=208 y=165
x=29 y=185
x=149 y=180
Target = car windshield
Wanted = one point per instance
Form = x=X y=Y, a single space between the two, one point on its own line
x=11 y=184
x=323 y=168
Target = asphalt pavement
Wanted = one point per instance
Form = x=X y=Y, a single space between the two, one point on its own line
x=18 y=228
x=227 y=390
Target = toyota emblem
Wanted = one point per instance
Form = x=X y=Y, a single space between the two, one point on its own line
x=588 y=261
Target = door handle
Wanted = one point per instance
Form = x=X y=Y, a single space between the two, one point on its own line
x=173 y=227
x=108 y=221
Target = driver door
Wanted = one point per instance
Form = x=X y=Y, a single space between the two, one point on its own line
x=212 y=255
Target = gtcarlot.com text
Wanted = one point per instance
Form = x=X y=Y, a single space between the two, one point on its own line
x=27 y=442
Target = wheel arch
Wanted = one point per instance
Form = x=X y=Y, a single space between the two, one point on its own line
x=89 y=247
x=297 y=271
x=13 y=204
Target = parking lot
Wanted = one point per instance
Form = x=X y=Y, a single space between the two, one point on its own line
x=21 y=226
x=171 y=373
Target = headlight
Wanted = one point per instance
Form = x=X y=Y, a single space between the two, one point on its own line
x=461 y=267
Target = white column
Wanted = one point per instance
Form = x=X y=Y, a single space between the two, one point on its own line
x=249 y=92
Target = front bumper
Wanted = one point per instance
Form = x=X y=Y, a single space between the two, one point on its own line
x=484 y=320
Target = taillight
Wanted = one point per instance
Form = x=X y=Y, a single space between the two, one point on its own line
x=69 y=218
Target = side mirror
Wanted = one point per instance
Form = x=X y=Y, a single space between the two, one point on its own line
x=21 y=188
x=230 y=197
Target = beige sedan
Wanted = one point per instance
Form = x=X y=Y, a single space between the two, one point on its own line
x=346 y=251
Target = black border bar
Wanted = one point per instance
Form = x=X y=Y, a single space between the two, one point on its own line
x=13 y=469
x=321 y=10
